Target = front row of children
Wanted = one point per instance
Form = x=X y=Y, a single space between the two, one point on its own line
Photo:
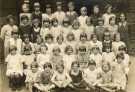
x=61 y=75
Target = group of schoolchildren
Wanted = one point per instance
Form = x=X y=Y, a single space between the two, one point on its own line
x=65 y=52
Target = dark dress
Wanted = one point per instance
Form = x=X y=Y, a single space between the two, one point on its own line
x=107 y=44
x=34 y=34
x=1 y=50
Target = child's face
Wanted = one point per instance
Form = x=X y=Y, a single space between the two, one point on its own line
x=108 y=50
x=34 y=69
x=60 y=69
x=70 y=51
x=83 y=12
x=117 y=38
x=60 y=40
x=109 y=10
x=59 y=8
x=49 y=40
x=46 y=24
x=92 y=67
x=39 y=40
x=105 y=68
x=56 y=52
x=83 y=39
x=13 y=52
x=70 y=37
x=122 y=17
x=55 y=23
x=25 y=21
x=36 y=23
x=95 y=51
x=96 y=10
x=48 y=10
x=71 y=8
x=119 y=60
x=75 y=68
x=47 y=69
x=11 y=21
x=100 y=23
x=25 y=8
x=107 y=38
x=37 y=8
x=94 y=38
x=43 y=50
x=27 y=40
x=76 y=25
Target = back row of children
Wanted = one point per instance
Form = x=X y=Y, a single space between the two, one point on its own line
x=66 y=52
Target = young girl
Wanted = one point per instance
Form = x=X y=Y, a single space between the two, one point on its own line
x=95 y=15
x=117 y=43
x=100 y=29
x=15 y=41
x=119 y=72
x=76 y=29
x=82 y=18
x=89 y=28
x=56 y=28
x=43 y=57
x=68 y=57
x=106 y=81
x=6 y=32
x=71 y=14
x=44 y=83
x=56 y=57
x=96 y=56
x=35 y=29
x=91 y=75
x=45 y=29
x=106 y=16
x=94 y=42
x=112 y=27
x=48 y=14
x=61 y=79
x=31 y=76
x=59 y=14
x=60 y=43
x=78 y=84
x=123 y=29
x=14 y=68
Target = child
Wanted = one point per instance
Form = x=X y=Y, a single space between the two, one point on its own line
x=107 y=42
x=66 y=27
x=48 y=13
x=106 y=81
x=31 y=76
x=100 y=29
x=95 y=15
x=25 y=28
x=82 y=18
x=35 y=29
x=123 y=29
x=44 y=83
x=117 y=43
x=56 y=28
x=94 y=42
x=14 y=69
x=91 y=75
x=43 y=57
x=37 y=13
x=59 y=14
x=112 y=27
x=60 y=43
x=6 y=32
x=70 y=40
x=119 y=72
x=89 y=29
x=106 y=16
x=76 y=29
x=96 y=56
x=27 y=52
x=49 y=42
x=108 y=55
x=16 y=41
x=71 y=14
x=78 y=84
x=45 y=29
x=68 y=57
x=56 y=57
x=61 y=79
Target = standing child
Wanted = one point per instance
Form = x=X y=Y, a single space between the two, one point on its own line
x=44 y=83
x=68 y=57
x=117 y=43
x=61 y=79
x=35 y=29
x=59 y=14
x=100 y=29
x=14 y=69
x=31 y=76
x=82 y=18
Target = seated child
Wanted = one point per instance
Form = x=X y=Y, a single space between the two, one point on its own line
x=61 y=79
x=31 y=76
x=78 y=84
x=14 y=69
x=44 y=83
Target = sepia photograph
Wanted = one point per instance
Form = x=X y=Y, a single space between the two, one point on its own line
x=67 y=45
